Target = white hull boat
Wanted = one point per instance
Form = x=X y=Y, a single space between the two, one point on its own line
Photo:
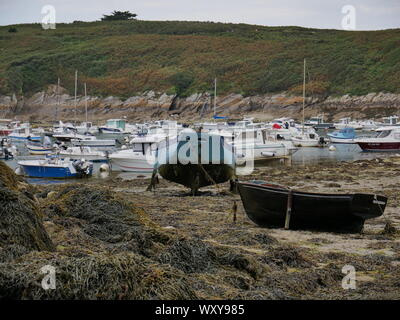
x=84 y=153
x=93 y=142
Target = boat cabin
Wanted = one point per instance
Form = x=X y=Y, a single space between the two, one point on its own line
x=116 y=123
x=390 y=121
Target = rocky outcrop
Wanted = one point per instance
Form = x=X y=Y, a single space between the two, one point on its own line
x=49 y=105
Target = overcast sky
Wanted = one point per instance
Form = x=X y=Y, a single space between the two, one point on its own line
x=370 y=14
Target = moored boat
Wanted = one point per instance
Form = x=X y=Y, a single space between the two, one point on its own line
x=346 y=135
x=270 y=206
x=84 y=153
x=56 y=168
x=140 y=158
x=387 y=139
x=39 y=150
x=92 y=141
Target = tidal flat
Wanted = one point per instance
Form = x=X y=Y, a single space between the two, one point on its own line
x=112 y=239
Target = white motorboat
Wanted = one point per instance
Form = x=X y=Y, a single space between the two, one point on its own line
x=84 y=153
x=141 y=158
x=307 y=138
x=347 y=123
x=24 y=133
x=386 y=139
x=113 y=126
x=255 y=144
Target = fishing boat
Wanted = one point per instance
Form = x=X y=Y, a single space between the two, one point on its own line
x=195 y=160
x=346 y=135
x=307 y=139
x=83 y=153
x=276 y=206
x=140 y=158
x=386 y=139
x=113 y=126
x=23 y=134
x=390 y=121
x=318 y=123
x=347 y=123
x=256 y=144
x=56 y=168
x=69 y=135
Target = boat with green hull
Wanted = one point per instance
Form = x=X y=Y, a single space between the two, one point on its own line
x=195 y=160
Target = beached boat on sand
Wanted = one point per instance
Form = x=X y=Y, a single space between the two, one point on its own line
x=196 y=162
x=267 y=205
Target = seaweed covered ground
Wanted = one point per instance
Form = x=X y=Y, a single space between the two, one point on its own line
x=112 y=239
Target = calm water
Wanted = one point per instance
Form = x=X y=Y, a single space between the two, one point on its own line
x=304 y=156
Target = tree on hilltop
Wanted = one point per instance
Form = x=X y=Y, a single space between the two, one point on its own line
x=119 y=15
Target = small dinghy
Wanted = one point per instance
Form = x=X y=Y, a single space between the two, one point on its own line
x=276 y=206
x=56 y=168
x=41 y=149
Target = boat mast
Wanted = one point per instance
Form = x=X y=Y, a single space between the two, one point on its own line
x=215 y=97
x=58 y=99
x=86 y=105
x=304 y=90
x=76 y=85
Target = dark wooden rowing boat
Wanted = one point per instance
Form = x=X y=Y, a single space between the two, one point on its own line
x=267 y=205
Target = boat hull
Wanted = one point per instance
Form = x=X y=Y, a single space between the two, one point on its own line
x=195 y=176
x=340 y=140
x=87 y=157
x=94 y=143
x=23 y=138
x=379 y=146
x=37 y=169
x=305 y=143
x=34 y=150
x=140 y=166
x=48 y=172
x=266 y=205
x=5 y=132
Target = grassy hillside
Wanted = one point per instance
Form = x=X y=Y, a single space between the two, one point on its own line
x=128 y=57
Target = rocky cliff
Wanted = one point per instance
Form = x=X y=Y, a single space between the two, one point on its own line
x=49 y=105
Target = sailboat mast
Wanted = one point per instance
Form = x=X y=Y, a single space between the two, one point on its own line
x=58 y=99
x=86 y=105
x=304 y=87
x=76 y=88
x=215 y=96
